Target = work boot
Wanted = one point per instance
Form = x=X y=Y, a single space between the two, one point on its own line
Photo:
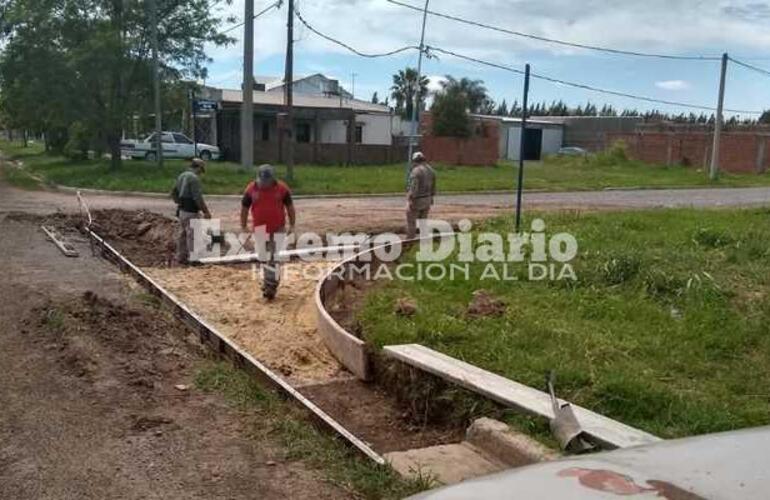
x=268 y=293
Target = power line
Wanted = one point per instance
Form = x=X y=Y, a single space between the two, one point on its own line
x=750 y=66
x=582 y=85
x=271 y=6
x=591 y=88
x=558 y=42
x=348 y=47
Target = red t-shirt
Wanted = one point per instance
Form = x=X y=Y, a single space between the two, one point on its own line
x=267 y=205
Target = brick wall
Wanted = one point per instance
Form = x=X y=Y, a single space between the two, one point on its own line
x=739 y=151
x=481 y=148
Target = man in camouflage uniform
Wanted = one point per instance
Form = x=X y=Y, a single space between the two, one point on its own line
x=419 y=196
x=188 y=196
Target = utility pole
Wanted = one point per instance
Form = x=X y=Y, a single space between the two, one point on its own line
x=156 y=82
x=522 y=142
x=288 y=93
x=247 y=106
x=719 y=119
x=353 y=84
x=413 y=135
x=193 y=132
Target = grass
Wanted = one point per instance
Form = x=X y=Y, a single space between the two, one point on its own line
x=554 y=174
x=665 y=329
x=275 y=418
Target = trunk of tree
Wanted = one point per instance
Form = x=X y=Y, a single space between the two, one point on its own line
x=113 y=142
x=24 y=138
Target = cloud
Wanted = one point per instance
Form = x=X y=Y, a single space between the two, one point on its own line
x=673 y=85
x=654 y=25
x=434 y=83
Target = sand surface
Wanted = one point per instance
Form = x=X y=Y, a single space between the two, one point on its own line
x=282 y=333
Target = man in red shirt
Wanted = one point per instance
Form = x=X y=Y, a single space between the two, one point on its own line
x=269 y=201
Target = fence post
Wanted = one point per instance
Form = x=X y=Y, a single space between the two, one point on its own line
x=522 y=143
x=761 y=147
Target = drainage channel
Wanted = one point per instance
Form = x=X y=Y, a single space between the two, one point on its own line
x=210 y=336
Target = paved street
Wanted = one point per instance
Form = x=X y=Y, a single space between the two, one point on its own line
x=386 y=213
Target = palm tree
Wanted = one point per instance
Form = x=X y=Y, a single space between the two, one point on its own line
x=474 y=90
x=403 y=89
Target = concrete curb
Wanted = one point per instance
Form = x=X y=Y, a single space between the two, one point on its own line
x=352 y=352
x=149 y=194
x=146 y=194
x=506 y=445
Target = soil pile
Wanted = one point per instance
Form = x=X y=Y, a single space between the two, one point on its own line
x=154 y=344
x=484 y=304
x=145 y=238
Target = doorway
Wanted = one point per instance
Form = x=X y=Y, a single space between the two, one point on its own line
x=533 y=144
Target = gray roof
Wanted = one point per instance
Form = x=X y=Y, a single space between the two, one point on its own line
x=306 y=101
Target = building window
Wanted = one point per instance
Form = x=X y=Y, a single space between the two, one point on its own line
x=303 y=132
x=265 y=130
x=359 y=134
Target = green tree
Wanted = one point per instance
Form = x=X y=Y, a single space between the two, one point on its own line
x=403 y=91
x=474 y=91
x=764 y=117
x=91 y=61
x=450 y=113
x=502 y=109
x=375 y=98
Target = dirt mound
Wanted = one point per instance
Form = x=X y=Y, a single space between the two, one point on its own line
x=484 y=304
x=405 y=307
x=145 y=238
x=142 y=334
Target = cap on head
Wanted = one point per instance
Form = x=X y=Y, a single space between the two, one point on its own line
x=199 y=164
x=418 y=156
x=265 y=174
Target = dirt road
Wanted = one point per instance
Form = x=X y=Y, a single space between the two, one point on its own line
x=89 y=407
x=387 y=213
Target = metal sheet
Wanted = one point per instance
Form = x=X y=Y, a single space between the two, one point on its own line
x=731 y=465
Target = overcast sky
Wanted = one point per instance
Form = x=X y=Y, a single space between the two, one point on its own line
x=690 y=27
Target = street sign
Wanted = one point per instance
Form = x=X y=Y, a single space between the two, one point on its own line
x=205 y=105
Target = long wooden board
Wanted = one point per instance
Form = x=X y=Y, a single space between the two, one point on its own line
x=605 y=431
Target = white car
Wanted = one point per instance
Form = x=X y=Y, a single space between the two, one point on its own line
x=175 y=145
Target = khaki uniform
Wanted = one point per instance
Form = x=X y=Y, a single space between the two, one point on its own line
x=422 y=189
x=188 y=195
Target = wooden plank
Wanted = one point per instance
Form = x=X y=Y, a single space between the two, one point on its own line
x=212 y=337
x=57 y=239
x=605 y=431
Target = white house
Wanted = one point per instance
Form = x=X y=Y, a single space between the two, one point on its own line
x=317 y=84
x=328 y=127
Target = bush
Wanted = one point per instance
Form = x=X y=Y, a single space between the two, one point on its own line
x=619 y=269
x=663 y=285
x=76 y=147
x=711 y=238
x=616 y=153
x=450 y=114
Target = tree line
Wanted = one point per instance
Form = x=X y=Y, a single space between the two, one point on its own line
x=80 y=72
x=457 y=97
